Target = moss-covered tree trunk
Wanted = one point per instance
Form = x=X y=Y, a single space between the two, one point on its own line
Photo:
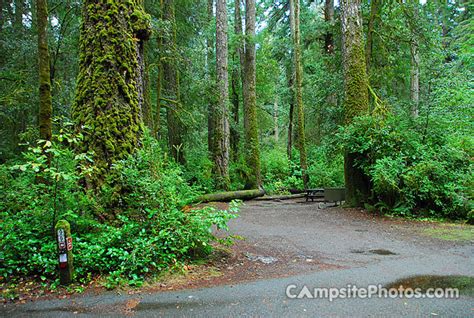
x=295 y=12
x=252 y=148
x=45 y=102
x=356 y=100
x=107 y=105
x=171 y=86
x=220 y=115
x=209 y=57
x=236 y=80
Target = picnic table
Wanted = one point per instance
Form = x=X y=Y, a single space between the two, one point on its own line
x=314 y=194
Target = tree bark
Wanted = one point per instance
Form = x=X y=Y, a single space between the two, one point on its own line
x=107 y=105
x=329 y=19
x=356 y=94
x=221 y=120
x=171 y=87
x=252 y=150
x=211 y=105
x=374 y=12
x=229 y=196
x=289 y=148
x=18 y=21
x=1 y=17
x=295 y=12
x=45 y=101
x=415 y=68
x=147 y=110
x=234 y=131
x=159 y=81
x=276 y=130
x=236 y=79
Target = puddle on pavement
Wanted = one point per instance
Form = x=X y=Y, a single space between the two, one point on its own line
x=65 y=309
x=147 y=306
x=382 y=252
x=374 y=251
x=465 y=284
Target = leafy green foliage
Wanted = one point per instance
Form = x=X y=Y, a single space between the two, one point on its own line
x=148 y=232
x=412 y=173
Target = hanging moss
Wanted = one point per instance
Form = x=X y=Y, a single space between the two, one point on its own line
x=107 y=108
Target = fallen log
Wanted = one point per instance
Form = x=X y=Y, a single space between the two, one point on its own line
x=281 y=197
x=229 y=196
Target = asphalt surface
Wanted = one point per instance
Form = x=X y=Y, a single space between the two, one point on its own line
x=358 y=249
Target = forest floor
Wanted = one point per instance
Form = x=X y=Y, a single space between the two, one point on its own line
x=286 y=242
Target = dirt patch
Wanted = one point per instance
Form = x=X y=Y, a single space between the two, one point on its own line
x=244 y=261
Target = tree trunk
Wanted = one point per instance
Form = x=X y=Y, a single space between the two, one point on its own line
x=45 y=102
x=147 y=111
x=229 y=196
x=289 y=148
x=415 y=68
x=374 y=12
x=295 y=12
x=18 y=21
x=252 y=148
x=329 y=19
x=211 y=105
x=221 y=121
x=1 y=19
x=159 y=81
x=356 y=94
x=238 y=54
x=276 y=130
x=234 y=128
x=171 y=87
x=107 y=97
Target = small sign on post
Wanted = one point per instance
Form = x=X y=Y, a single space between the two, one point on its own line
x=64 y=238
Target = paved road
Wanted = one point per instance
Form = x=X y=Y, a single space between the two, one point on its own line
x=347 y=244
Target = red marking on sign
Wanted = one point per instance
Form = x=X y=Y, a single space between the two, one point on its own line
x=69 y=243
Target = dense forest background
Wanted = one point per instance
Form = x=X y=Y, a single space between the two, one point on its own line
x=399 y=112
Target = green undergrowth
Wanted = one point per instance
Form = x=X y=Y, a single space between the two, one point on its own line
x=414 y=172
x=147 y=232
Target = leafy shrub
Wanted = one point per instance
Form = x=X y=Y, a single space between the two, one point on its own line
x=279 y=174
x=412 y=172
x=326 y=167
x=149 y=233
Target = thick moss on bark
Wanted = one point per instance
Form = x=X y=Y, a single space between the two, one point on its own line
x=356 y=94
x=107 y=106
